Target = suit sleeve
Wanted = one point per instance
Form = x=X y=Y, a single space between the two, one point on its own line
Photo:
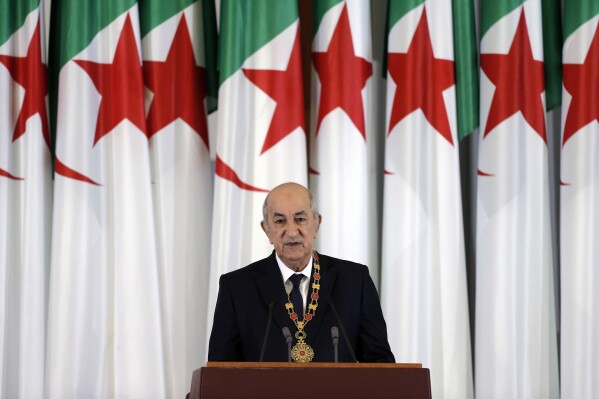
x=373 y=345
x=225 y=341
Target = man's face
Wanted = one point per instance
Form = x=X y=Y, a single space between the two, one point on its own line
x=291 y=224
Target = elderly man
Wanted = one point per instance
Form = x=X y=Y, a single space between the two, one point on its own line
x=297 y=288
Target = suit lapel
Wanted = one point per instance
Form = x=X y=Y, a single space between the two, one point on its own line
x=327 y=283
x=270 y=285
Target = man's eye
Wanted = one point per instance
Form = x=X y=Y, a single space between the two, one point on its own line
x=300 y=220
x=278 y=221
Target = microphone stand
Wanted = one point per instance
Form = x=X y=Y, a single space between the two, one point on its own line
x=351 y=351
x=335 y=336
x=269 y=322
x=288 y=339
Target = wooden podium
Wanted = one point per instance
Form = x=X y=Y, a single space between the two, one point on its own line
x=310 y=380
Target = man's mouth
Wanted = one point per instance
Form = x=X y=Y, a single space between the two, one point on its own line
x=293 y=244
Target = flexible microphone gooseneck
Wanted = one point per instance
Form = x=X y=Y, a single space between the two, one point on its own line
x=351 y=351
x=335 y=336
x=287 y=335
x=268 y=323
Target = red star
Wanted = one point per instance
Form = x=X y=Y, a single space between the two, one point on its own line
x=421 y=79
x=582 y=82
x=30 y=73
x=342 y=75
x=285 y=88
x=120 y=85
x=519 y=83
x=179 y=87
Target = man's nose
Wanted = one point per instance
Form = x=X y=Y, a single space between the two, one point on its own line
x=292 y=229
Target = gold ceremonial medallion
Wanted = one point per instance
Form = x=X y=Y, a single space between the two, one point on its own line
x=302 y=353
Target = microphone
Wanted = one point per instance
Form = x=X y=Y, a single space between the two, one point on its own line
x=268 y=323
x=287 y=335
x=335 y=336
x=351 y=351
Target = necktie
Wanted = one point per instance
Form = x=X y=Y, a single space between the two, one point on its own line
x=296 y=296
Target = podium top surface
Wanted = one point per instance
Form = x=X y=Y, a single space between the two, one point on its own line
x=269 y=365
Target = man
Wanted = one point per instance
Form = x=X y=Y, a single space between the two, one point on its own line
x=297 y=288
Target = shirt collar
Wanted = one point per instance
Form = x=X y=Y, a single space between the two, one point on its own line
x=287 y=272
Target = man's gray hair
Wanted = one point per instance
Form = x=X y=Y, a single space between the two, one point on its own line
x=313 y=207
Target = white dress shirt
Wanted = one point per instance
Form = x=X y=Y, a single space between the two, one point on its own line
x=304 y=284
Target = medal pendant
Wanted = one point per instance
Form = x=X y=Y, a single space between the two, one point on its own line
x=302 y=352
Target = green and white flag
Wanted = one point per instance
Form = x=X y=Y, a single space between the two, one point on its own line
x=342 y=140
x=579 y=207
x=261 y=138
x=516 y=350
x=104 y=326
x=175 y=74
x=423 y=284
x=25 y=198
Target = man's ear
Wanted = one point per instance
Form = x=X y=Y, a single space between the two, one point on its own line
x=317 y=226
x=265 y=230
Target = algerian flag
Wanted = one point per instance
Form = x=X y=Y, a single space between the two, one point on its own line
x=261 y=139
x=25 y=198
x=516 y=351
x=579 y=207
x=342 y=143
x=423 y=284
x=104 y=329
x=175 y=72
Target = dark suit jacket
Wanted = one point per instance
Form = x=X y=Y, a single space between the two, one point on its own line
x=241 y=314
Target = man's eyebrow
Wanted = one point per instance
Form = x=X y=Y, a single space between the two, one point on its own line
x=298 y=213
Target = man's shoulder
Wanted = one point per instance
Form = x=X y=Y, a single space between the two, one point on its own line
x=342 y=265
x=246 y=271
